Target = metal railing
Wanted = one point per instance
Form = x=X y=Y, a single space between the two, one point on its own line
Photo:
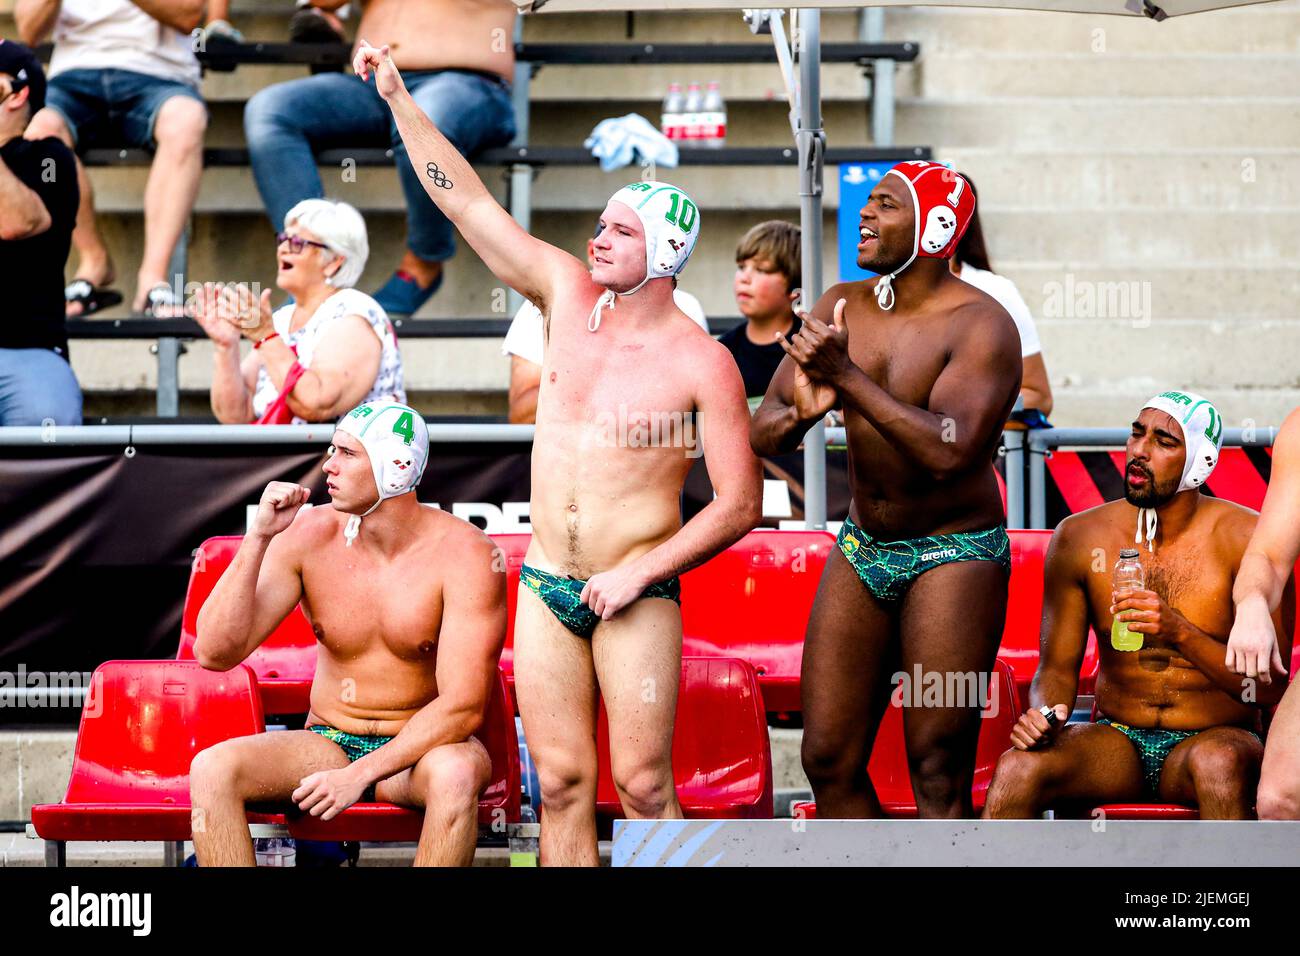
x=1024 y=500
x=1041 y=442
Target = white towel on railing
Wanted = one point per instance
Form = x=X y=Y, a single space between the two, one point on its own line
x=618 y=141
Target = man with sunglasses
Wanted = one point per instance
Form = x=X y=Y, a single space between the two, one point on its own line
x=38 y=209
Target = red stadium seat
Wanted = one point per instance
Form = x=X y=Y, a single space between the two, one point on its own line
x=1146 y=811
x=1025 y=613
x=722 y=760
x=380 y=822
x=888 y=765
x=284 y=663
x=146 y=720
x=142 y=724
x=513 y=548
x=752 y=601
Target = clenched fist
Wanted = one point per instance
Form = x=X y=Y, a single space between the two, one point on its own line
x=280 y=504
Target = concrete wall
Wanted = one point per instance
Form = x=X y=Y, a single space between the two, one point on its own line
x=1113 y=155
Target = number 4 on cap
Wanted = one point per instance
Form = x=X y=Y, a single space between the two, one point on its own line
x=405 y=427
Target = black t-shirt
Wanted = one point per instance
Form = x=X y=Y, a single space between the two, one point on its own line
x=31 y=270
x=757 y=363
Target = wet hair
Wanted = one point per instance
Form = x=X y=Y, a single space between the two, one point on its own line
x=971 y=250
x=777 y=242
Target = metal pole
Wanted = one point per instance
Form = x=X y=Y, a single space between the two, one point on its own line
x=872 y=30
x=168 y=351
x=1015 y=465
x=123 y=436
x=521 y=208
x=521 y=176
x=1038 y=478
x=811 y=140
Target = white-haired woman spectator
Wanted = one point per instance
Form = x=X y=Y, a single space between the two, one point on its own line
x=329 y=350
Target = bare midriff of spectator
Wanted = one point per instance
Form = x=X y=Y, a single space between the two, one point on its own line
x=458 y=60
x=124 y=73
x=313 y=359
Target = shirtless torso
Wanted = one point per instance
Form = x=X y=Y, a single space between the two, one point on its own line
x=375 y=670
x=904 y=352
x=598 y=602
x=1174 y=724
x=1157 y=686
x=444 y=34
x=925 y=388
x=601 y=497
x=410 y=619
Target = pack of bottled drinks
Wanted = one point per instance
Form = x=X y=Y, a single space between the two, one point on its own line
x=696 y=119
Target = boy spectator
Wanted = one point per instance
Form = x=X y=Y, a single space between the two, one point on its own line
x=768 y=274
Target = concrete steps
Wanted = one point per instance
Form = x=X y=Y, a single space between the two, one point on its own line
x=1106 y=150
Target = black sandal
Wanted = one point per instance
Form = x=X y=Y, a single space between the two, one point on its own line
x=92 y=300
x=161 y=303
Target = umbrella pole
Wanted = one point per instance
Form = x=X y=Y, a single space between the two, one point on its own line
x=811 y=140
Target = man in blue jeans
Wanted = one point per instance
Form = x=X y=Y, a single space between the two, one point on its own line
x=124 y=74
x=38 y=207
x=457 y=57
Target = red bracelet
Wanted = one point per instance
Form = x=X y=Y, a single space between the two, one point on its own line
x=260 y=342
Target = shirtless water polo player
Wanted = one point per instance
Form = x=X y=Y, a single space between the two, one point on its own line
x=1175 y=724
x=598 y=605
x=926 y=368
x=408 y=605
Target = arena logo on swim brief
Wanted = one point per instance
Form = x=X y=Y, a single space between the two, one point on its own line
x=649 y=429
x=937 y=555
x=923 y=688
x=1086 y=299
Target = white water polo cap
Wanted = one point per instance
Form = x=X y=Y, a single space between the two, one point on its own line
x=396 y=439
x=1202 y=440
x=671 y=222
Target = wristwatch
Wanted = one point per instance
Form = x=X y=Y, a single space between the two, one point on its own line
x=1049 y=714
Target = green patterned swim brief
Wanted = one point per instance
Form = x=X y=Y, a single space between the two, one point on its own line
x=1153 y=746
x=563 y=596
x=354 y=746
x=888 y=568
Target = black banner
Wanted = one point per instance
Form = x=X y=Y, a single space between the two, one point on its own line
x=96 y=545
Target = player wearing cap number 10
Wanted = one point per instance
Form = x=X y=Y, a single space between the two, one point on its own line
x=926 y=368
x=627 y=378
x=410 y=614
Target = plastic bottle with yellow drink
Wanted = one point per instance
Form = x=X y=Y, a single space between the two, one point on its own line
x=1129 y=576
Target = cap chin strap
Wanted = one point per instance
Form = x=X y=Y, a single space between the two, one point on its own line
x=1151 y=520
x=607 y=301
x=353 y=527
x=885 y=292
